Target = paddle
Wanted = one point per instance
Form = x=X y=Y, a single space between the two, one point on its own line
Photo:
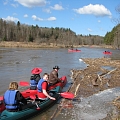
x=24 y=83
x=63 y=94
x=1 y=98
x=68 y=95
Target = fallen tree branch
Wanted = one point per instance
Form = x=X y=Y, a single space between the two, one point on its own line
x=109 y=72
x=108 y=83
x=100 y=79
x=118 y=98
x=77 y=89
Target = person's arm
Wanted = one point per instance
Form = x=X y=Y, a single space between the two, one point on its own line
x=44 y=88
x=46 y=94
x=20 y=98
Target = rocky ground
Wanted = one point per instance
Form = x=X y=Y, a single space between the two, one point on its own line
x=100 y=74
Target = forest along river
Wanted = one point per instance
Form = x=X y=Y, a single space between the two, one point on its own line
x=16 y=65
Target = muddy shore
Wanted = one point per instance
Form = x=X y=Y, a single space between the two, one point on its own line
x=100 y=74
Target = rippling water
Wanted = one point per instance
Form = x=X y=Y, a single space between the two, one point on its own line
x=16 y=63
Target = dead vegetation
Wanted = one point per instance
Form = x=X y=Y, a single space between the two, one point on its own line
x=100 y=74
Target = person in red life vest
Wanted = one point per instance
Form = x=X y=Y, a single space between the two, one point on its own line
x=53 y=78
x=13 y=99
x=43 y=87
x=34 y=79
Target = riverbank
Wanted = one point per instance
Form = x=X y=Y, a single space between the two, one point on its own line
x=99 y=75
x=26 y=45
x=12 y=44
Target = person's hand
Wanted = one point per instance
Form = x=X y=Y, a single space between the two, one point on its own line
x=52 y=98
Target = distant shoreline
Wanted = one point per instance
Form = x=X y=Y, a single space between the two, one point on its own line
x=12 y=44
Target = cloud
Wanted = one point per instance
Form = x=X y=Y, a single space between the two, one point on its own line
x=25 y=15
x=14 y=14
x=90 y=30
x=32 y=3
x=99 y=21
x=14 y=5
x=47 y=10
x=51 y=19
x=5 y=2
x=97 y=10
x=11 y=19
x=34 y=17
x=57 y=7
x=101 y=29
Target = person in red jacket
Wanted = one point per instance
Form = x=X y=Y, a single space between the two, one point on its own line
x=43 y=88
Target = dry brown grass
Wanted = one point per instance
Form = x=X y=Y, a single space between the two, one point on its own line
x=29 y=45
x=42 y=45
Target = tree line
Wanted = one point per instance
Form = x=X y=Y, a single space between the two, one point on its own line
x=17 y=32
x=113 y=37
x=11 y=31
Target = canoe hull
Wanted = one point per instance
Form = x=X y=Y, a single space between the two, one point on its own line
x=107 y=53
x=27 y=93
x=64 y=81
x=69 y=50
x=31 y=109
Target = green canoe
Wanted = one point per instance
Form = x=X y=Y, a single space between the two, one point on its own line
x=30 y=109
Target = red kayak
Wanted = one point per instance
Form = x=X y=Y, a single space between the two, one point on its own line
x=61 y=84
x=27 y=93
x=107 y=53
x=2 y=107
x=74 y=50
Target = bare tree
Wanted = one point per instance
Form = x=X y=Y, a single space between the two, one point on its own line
x=116 y=21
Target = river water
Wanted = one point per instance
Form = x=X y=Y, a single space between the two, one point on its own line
x=16 y=65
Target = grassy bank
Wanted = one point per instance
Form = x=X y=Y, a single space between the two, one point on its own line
x=12 y=44
x=27 y=45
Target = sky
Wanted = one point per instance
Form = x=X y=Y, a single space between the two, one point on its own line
x=94 y=17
